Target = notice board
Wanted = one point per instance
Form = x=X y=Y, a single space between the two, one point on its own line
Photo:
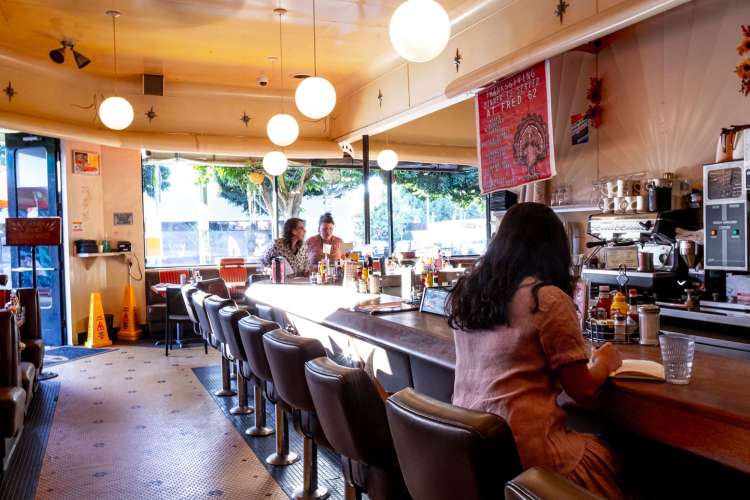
x=514 y=125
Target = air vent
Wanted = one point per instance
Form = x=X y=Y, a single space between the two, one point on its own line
x=153 y=85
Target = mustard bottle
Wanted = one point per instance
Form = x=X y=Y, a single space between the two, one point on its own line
x=619 y=305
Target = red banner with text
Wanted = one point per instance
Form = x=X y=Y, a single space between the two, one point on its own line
x=514 y=124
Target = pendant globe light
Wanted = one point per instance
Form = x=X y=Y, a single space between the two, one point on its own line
x=419 y=30
x=115 y=112
x=315 y=96
x=275 y=163
x=387 y=159
x=282 y=128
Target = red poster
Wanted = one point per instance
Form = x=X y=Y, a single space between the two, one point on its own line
x=514 y=123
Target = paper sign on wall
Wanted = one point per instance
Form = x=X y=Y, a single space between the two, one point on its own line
x=514 y=124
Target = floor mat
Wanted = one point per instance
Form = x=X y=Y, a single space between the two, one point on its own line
x=63 y=354
x=289 y=477
x=22 y=477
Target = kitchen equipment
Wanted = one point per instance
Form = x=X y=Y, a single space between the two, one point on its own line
x=726 y=209
x=689 y=253
x=645 y=262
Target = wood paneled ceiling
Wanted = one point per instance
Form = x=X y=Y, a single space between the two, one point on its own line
x=217 y=41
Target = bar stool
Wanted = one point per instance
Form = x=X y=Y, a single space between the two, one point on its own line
x=269 y=313
x=198 y=301
x=228 y=317
x=287 y=355
x=473 y=453
x=537 y=482
x=187 y=291
x=353 y=418
x=213 y=305
x=214 y=286
x=252 y=330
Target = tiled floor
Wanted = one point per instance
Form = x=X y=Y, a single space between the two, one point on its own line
x=133 y=423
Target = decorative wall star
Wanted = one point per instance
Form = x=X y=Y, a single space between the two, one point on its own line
x=457 y=60
x=380 y=98
x=245 y=119
x=10 y=91
x=562 y=7
x=151 y=114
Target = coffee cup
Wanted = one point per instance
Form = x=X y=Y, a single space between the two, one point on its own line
x=620 y=188
x=641 y=203
x=619 y=204
x=607 y=205
x=611 y=187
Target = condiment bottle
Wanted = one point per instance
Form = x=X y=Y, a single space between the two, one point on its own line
x=631 y=323
x=648 y=324
x=604 y=301
x=620 y=325
x=619 y=305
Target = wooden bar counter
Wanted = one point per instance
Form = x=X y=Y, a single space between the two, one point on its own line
x=709 y=417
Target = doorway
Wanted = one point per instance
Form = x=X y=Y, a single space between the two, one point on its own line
x=33 y=190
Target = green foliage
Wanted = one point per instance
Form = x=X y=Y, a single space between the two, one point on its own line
x=153 y=177
x=461 y=188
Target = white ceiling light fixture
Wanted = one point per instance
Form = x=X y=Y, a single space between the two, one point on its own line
x=387 y=159
x=315 y=96
x=115 y=112
x=419 y=30
x=282 y=128
x=275 y=163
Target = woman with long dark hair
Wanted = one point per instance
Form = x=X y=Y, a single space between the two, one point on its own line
x=518 y=341
x=290 y=246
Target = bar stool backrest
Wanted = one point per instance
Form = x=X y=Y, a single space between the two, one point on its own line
x=214 y=286
x=213 y=305
x=287 y=355
x=252 y=329
x=186 y=291
x=228 y=317
x=10 y=368
x=472 y=453
x=198 y=299
x=351 y=412
x=269 y=313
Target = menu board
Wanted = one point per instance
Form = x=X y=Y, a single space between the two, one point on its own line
x=514 y=125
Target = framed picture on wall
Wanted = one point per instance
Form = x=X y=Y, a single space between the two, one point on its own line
x=86 y=163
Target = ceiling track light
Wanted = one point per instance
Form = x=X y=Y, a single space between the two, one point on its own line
x=58 y=55
x=115 y=112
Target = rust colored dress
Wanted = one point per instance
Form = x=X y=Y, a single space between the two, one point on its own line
x=315 y=250
x=511 y=371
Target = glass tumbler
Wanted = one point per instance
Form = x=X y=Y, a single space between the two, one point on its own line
x=677 y=351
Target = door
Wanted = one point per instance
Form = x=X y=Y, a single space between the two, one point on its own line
x=33 y=191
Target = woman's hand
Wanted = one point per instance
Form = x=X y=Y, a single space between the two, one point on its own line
x=608 y=356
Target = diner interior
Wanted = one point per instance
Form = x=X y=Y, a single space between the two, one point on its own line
x=240 y=239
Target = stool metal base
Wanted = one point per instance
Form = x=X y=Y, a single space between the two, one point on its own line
x=282 y=459
x=240 y=410
x=226 y=389
x=224 y=393
x=319 y=494
x=259 y=431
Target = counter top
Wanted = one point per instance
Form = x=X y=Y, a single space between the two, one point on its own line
x=710 y=416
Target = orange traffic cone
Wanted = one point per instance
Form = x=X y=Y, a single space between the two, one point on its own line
x=129 y=318
x=97 y=329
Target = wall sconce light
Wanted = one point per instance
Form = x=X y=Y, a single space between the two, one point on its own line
x=58 y=55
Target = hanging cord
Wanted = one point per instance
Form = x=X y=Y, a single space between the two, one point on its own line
x=315 y=45
x=138 y=265
x=281 y=62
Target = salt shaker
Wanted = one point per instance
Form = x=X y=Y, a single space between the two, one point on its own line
x=648 y=324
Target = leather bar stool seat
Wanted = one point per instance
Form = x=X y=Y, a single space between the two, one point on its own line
x=198 y=300
x=352 y=414
x=213 y=304
x=269 y=313
x=287 y=355
x=252 y=329
x=12 y=395
x=539 y=483
x=228 y=317
x=447 y=452
x=187 y=292
x=31 y=331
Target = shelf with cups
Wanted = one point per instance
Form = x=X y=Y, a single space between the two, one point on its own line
x=563 y=209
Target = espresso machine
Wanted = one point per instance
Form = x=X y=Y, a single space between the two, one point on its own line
x=641 y=251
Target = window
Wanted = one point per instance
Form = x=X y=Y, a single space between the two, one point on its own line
x=4 y=250
x=436 y=210
x=196 y=214
x=335 y=190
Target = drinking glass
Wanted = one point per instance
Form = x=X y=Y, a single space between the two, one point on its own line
x=677 y=352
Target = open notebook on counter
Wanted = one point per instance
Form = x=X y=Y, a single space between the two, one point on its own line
x=639 y=369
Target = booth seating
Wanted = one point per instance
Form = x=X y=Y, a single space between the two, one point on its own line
x=352 y=415
x=31 y=331
x=213 y=305
x=473 y=453
x=234 y=273
x=228 y=317
x=251 y=330
x=287 y=355
x=13 y=397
